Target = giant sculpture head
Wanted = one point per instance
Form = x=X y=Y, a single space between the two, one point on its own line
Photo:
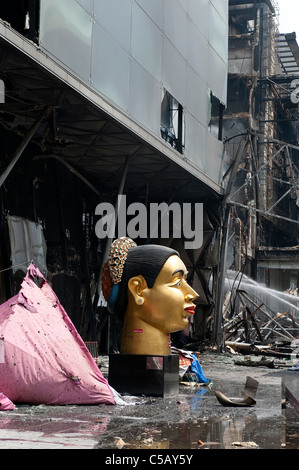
x=146 y=286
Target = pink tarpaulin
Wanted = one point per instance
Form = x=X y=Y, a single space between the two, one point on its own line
x=6 y=403
x=43 y=359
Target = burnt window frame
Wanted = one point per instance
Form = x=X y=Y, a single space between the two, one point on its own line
x=172 y=124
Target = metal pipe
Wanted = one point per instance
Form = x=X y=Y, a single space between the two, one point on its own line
x=22 y=147
x=218 y=340
x=109 y=239
x=261 y=168
x=234 y=203
x=272 y=320
x=71 y=168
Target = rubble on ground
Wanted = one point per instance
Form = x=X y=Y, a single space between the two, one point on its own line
x=258 y=321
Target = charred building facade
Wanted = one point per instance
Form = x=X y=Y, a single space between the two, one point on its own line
x=101 y=98
x=260 y=131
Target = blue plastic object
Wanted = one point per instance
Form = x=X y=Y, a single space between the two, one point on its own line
x=196 y=368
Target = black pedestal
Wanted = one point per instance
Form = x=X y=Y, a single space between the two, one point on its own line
x=136 y=374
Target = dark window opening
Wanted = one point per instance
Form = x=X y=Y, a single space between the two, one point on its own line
x=172 y=121
x=216 y=121
x=242 y=21
x=23 y=16
x=238 y=93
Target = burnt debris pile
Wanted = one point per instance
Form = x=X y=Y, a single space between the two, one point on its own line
x=259 y=319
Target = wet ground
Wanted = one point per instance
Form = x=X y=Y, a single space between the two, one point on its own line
x=193 y=420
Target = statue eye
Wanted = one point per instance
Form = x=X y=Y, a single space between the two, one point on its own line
x=178 y=283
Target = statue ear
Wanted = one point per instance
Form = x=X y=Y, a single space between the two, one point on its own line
x=136 y=285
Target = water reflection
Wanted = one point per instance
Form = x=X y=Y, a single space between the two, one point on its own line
x=208 y=433
x=195 y=420
x=196 y=399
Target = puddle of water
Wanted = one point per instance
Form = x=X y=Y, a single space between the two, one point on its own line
x=193 y=420
x=208 y=433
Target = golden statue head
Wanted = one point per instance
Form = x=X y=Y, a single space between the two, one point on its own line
x=148 y=289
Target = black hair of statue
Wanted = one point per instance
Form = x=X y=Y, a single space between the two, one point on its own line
x=145 y=260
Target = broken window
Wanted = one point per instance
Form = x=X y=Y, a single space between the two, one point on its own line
x=239 y=88
x=250 y=26
x=216 y=120
x=172 y=121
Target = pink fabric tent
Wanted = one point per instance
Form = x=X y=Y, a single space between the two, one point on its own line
x=6 y=403
x=43 y=359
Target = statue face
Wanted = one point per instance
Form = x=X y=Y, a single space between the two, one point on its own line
x=168 y=304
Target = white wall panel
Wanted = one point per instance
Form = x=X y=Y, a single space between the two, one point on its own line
x=198 y=12
x=87 y=5
x=214 y=159
x=110 y=70
x=145 y=98
x=66 y=32
x=197 y=49
x=197 y=98
x=175 y=25
x=174 y=72
x=222 y=8
x=195 y=142
x=147 y=40
x=217 y=75
x=154 y=9
x=115 y=17
x=218 y=32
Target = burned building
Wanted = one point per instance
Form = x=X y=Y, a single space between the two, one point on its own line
x=260 y=135
x=100 y=99
x=260 y=131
